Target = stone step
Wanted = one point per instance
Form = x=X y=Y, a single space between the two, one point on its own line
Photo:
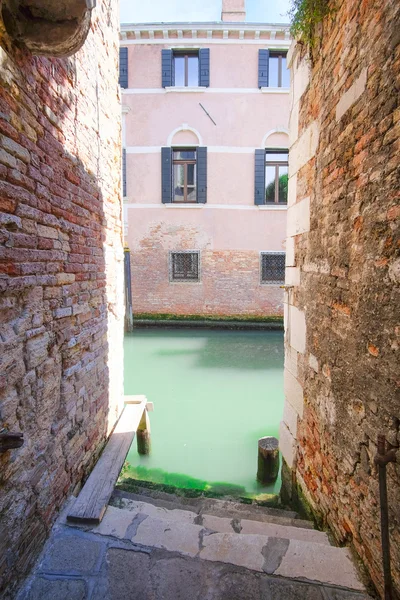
x=213 y=507
x=242 y=525
x=290 y=558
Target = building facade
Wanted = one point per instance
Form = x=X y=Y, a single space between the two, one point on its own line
x=205 y=135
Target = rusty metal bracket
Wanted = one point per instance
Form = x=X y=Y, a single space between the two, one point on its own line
x=10 y=441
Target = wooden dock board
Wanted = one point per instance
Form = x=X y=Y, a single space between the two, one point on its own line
x=90 y=505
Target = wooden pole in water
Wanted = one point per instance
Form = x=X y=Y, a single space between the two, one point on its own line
x=268 y=459
x=143 y=434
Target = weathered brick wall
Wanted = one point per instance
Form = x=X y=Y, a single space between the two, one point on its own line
x=229 y=285
x=341 y=371
x=61 y=310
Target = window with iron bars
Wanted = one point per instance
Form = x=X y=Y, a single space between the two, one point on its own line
x=272 y=267
x=185 y=266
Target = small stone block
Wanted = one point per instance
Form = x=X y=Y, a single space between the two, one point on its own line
x=72 y=554
x=59 y=589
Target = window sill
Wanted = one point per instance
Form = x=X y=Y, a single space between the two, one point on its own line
x=187 y=281
x=272 y=207
x=278 y=284
x=177 y=205
x=275 y=90
x=186 y=90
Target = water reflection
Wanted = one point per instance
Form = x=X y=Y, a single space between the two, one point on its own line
x=261 y=351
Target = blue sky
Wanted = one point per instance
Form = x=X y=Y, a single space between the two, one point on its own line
x=155 y=11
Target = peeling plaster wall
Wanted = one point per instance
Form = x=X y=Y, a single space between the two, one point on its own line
x=341 y=311
x=61 y=279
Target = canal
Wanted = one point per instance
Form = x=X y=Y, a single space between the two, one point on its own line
x=215 y=393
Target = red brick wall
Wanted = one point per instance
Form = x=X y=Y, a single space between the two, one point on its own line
x=350 y=271
x=229 y=285
x=60 y=269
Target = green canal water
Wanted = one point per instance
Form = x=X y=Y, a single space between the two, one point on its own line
x=215 y=393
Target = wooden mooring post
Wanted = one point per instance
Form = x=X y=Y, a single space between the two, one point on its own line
x=143 y=434
x=268 y=459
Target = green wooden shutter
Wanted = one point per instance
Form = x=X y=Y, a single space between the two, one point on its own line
x=263 y=65
x=123 y=67
x=166 y=175
x=202 y=175
x=167 y=67
x=204 y=67
x=259 y=179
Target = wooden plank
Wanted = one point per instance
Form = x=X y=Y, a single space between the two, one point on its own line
x=134 y=399
x=92 y=501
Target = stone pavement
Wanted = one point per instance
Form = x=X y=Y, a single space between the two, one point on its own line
x=103 y=563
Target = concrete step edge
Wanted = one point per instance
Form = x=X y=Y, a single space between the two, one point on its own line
x=216 y=507
x=239 y=526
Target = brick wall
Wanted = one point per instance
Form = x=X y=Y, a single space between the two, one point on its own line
x=61 y=309
x=229 y=285
x=342 y=333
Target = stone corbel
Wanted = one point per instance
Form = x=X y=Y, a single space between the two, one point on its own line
x=48 y=27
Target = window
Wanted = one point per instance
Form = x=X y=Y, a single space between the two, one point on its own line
x=186 y=69
x=276 y=176
x=184 y=266
x=278 y=73
x=272 y=267
x=184 y=175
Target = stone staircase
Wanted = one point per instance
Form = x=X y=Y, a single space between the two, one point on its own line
x=264 y=540
x=158 y=546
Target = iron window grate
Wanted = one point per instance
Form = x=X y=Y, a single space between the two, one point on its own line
x=272 y=267
x=184 y=266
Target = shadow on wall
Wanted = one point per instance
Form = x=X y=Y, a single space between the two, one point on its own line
x=59 y=254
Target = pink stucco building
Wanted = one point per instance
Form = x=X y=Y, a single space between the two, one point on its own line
x=205 y=135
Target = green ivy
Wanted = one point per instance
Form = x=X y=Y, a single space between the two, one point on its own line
x=305 y=15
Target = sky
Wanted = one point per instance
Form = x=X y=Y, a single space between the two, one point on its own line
x=156 y=11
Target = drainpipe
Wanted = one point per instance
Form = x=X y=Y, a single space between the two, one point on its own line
x=56 y=28
x=382 y=458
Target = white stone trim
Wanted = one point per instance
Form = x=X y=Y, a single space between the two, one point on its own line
x=275 y=90
x=143 y=149
x=206 y=90
x=271 y=43
x=298 y=218
x=185 y=89
x=279 y=129
x=201 y=26
x=206 y=206
x=210 y=149
x=287 y=445
x=352 y=94
x=182 y=205
x=184 y=127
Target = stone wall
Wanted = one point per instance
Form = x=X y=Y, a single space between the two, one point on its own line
x=341 y=370
x=61 y=306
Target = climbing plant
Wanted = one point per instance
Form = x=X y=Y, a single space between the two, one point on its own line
x=305 y=15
